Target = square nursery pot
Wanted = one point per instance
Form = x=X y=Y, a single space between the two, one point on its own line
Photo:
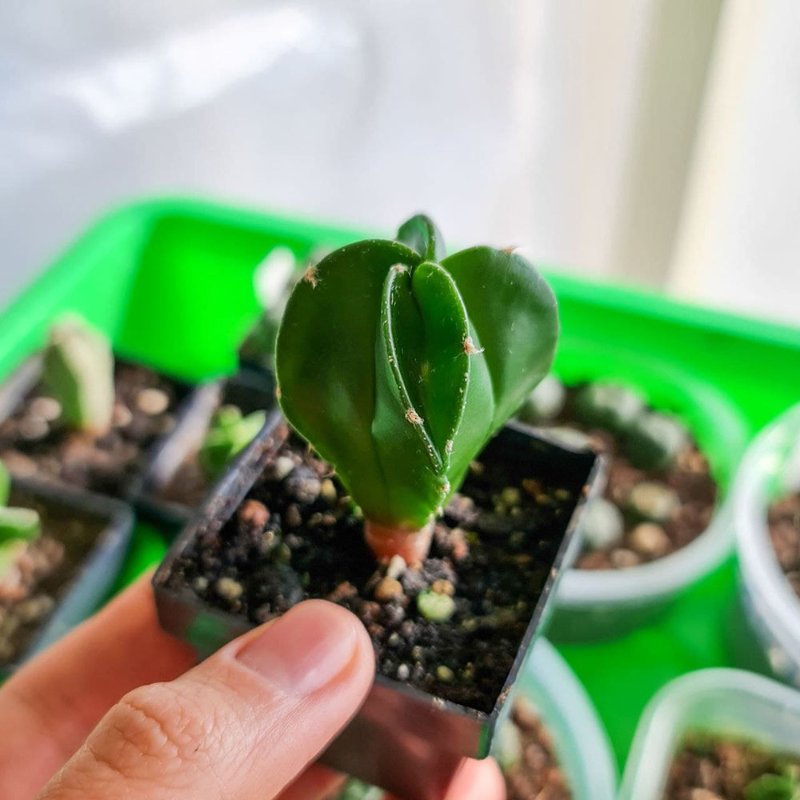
x=35 y=454
x=174 y=485
x=95 y=532
x=721 y=702
x=403 y=739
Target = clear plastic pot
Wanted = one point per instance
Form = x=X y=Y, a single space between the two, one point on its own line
x=728 y=702
x=598 y=604
x=580 y=741
x=772 y=610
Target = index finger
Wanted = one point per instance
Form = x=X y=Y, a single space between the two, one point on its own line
x=48 y=708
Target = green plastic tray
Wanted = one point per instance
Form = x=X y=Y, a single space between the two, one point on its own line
x=171 y=281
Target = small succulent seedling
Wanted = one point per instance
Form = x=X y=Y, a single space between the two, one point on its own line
x=654 y=440
x=397 y=364
x=544 y=403
x=228 y=434
x=774 y=787
x=608 y=405
x=17 y=525
x=78 y=370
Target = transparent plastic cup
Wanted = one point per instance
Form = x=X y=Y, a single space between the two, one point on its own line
x=771 y=609
x=728 y=702
x=579 y=739
x=600 y=604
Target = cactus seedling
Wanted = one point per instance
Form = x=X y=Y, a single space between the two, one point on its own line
x=17 y=526
x=397 y=364
x=228 y=434
x=18 y=523
x=78 y=371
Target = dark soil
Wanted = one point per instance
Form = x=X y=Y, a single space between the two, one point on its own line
x=535 y=774
x=711 y=767
x=29 y=593
x=297 y=535
x=690 y=477
x=784 y=531
x=188 y=486
x=32 y=444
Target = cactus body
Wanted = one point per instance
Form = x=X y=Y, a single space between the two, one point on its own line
x=397 y=364
x=79 y=372
x=19 y=523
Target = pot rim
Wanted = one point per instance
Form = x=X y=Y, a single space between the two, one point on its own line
x=771 y=465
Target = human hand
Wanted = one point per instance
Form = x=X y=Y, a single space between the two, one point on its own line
x=117 y=710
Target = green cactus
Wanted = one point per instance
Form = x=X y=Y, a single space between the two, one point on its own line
x=774 y=787
x=78 y=370
x=5 y=484
x=17 y=526
x=397 y=364
x=19 y=523
x=228 y=434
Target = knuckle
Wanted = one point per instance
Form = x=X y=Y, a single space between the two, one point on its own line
x=153 y=730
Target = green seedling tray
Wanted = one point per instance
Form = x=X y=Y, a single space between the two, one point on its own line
x=171 y=282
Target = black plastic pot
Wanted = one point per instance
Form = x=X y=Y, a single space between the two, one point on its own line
x=403 y=739
x=19 y=384
x=90 y=582
x=248 y=389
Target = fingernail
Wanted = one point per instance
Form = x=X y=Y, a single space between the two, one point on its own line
x=305 y=649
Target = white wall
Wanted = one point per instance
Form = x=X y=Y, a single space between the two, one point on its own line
x=590 y=132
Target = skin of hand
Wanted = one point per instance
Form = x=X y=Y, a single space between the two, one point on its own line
x=119 y=709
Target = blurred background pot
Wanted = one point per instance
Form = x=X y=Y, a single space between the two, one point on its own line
x=770 y=470
x=579 y=740
x=598 y=604
x=724 y=702
x=94 y=465
x=84 y=579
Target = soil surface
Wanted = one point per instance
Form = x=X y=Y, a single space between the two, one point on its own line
x=535 y=773
x=645 y=540
x=298 y=535
x=33 y=443
x=189 y=485
x=784 y=531
x=710 y=767
x=29 y=592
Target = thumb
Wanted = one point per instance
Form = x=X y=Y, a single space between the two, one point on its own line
x=241 y=725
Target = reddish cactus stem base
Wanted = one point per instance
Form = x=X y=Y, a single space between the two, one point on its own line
x=386 y=541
